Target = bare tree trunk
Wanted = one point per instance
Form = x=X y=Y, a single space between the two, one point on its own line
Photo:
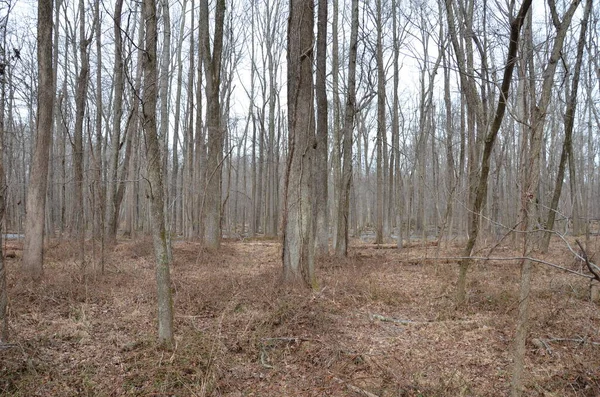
x=112 y=203
x=343 y=207
x=33 y=246
x=381 y=125
x=188 y=151
x=175 y=192
x=398 y=203
x=336 y=150
x=569 y=123
x=3 y=291
x=321 y=170
x=99 y=191
x=298 y=232
x=475 y=102
x=530 y=188
x=155 y=188
x=211 y=219
x=164 y=110
x=78 y=227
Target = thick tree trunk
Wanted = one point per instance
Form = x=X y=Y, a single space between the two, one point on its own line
x=298 y=232
x=211 y=219
x=155 y=186
x=33 y=246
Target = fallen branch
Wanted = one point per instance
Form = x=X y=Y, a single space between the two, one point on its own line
x=581 y=340
x=542 y=345
x=390 y=319
x=6 y=346
x=513 y=258
x=591 y=267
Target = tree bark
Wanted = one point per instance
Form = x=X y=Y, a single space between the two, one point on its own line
x=155 y=183
x=33 y=246
x=211 y=219
x=530 y=188
x=298 y=232
x=381 y=125
x=112 y=202
x=569 y=124
x=321 y=170
x=481 y=189
x=343 y=207
x=78 y=227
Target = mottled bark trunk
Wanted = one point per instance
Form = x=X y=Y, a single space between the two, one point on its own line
x=211 y=208
x=155 y=183
x=298 y=232
x=33 y=246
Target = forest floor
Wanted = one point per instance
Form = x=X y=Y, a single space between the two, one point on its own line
x=381 y=323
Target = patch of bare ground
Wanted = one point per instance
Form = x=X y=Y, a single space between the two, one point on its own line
x=382 y=323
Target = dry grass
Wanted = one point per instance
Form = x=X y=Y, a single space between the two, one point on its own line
x=382 y=322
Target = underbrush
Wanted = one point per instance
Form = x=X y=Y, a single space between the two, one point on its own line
x=382 y=322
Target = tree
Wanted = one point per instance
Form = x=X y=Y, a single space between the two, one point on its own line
x=343 y=207
x=3 y=292
x=33 y=245
x=569 y=124
x=78 y=229
x=298 y=232
x=531 y=182
x=381 y=125
x=321 y=171
x=112 y=195
x=155 y=182
x=211 y=215
x=475 y=105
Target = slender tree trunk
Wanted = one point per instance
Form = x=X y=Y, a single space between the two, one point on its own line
x=474 y=101
x=112 y=203
x=336 y=155
x=99 y=191
x=381 y=125
x=569 y=124
x=3 y=291
x=530 y=189
x=321 y=170
x=78 y=227
x=343 y=207
x=33 y=246
x=298 y=232
x=164 y=109
x=155 y=185
x=175 y=185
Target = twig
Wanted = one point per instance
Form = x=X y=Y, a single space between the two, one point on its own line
x=581 y=340
x=390 y=319
x=6 y=346
x=264 y=358
x=591 y=267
